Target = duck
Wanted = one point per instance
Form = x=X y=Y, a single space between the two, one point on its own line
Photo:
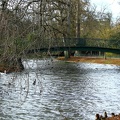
x=100 y=117
x=105 y=114
x=97 y=117
x=113 y=114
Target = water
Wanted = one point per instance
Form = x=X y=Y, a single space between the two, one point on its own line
x=62 y=91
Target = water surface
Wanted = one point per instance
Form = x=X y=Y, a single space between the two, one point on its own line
x=76 y=91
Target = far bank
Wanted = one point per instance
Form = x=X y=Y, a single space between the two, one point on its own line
x=115 y=61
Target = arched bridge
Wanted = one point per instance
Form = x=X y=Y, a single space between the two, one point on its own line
x=73 y=44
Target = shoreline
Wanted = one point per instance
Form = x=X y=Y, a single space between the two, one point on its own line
x=113 y=61
x=84 y=59
x=10 y=69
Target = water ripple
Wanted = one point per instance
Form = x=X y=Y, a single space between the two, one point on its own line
x=76 y=91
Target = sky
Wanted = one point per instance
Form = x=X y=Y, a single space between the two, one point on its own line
x=110 y=5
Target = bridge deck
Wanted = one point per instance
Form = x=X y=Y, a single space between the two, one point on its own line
x=117 y=51
x=82 y=44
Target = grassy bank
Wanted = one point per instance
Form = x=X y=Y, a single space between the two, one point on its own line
x=114 y=61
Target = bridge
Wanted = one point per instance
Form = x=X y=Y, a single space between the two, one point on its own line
x=73 y=44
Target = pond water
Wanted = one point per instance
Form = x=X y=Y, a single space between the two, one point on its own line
x=56 y=90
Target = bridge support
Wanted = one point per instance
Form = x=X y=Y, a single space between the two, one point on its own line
x=67 y=54
x=77 y=53
x=105 y=56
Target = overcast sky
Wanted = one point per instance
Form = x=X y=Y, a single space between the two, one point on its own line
x=110 y=5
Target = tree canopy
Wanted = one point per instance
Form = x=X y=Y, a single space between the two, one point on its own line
x=26 y=23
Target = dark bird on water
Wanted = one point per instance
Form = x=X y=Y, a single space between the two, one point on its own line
x=34 y=83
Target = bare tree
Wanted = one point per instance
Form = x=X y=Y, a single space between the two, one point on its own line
x=29 y=24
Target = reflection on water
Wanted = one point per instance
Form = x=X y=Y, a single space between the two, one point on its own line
x=76 y=91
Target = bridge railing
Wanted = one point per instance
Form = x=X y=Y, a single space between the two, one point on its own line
x=92 y=42
x=71 y=42
x=106 y=43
